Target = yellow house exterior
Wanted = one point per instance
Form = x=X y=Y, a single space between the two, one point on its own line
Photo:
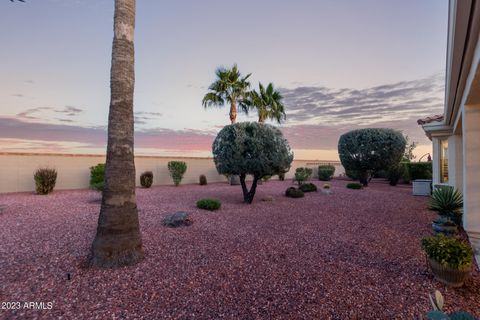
x=456 y=134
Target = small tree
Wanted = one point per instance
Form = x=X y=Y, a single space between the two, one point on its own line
x=251 y=148
x=409 y=147
x=370 y=150
x=177 y=170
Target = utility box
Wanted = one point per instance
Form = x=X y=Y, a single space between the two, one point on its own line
x=422 y=187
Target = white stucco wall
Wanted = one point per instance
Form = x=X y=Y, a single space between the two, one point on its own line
x=73 y=170
x=471 y=169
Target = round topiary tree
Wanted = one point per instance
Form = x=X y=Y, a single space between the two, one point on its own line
x=251 y=148
x=368 y=150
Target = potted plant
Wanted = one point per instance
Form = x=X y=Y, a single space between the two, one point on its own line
x=326 y=189
x=449 y=258
x=448 y=203
x=444 y=225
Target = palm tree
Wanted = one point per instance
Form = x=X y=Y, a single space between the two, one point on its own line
x=268 y=103
x=118 y=240
x=229 y=87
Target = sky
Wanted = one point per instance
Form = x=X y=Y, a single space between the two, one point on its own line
x=339 y=64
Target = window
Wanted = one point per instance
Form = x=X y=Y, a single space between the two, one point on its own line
x=444 y=161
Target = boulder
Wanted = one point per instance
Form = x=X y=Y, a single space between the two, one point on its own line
x=177 y=219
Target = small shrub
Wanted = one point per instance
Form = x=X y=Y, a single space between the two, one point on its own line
x=45 y=180
x=308 y=187
x=325 y=173
x=354 y=185
x=449 y=252
x=177 y=170
x=202 y=180
x=266 y=178
x=420 y=170
x=394 y=173
x=209 y=204
x=302 y=175
x=97 y=177
x=293 y=192
x=327 y=186
x=281 y=176
x=146 y=179
x=352 y=174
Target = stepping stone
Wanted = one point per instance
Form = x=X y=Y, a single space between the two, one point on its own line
x=177 y=219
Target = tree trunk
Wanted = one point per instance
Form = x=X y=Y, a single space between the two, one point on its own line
x=364 y=178
x=118 y=240
x=233 y=111
x=248 y=195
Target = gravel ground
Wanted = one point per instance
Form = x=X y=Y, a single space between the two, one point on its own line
x=354 y=254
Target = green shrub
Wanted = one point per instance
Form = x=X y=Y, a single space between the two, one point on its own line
x=419 y=170
x=354 y=185
x=294 y=193
x=45 y=179
x=447 y=251
x=395 y=172
x=302 y=175
x=209 y=204
x=447 y=201
x=308 y=187
x=352 y=174
x=146 y=179
x=370 y=150
x=177 y=170
x=202 y=180
x=266 y=178
x=97 y=177
x=325 y=173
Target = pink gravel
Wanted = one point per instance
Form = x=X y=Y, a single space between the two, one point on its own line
x=351 y=254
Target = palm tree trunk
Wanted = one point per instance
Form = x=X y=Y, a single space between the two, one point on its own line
x=233 y=111
x=118 y=240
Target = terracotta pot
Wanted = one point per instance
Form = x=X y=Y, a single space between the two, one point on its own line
x=449 y=276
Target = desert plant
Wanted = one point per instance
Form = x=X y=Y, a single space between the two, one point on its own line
x=266 y=178
x=45 y=179
x=251 y=148
x=177 y=170
x=293 y=192
x=202 y=180
x=447 y=201
x=395 y=172
x=370 y=150
x=302 y=175
x=97 y=177
x=209 y=204
x=146 y=179
x=325 y=173
x=419 y=170
x=438 y=314
x=448 y=252
x=308 y=187
x=354 y=185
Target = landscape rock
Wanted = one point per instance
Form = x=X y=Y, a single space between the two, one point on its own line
x=177 y=219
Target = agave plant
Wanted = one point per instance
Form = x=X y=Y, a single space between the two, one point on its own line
x=448 y=201
x=438 y=314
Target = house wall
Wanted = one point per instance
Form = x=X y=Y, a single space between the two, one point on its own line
x=73 y=170
x=471 y=169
